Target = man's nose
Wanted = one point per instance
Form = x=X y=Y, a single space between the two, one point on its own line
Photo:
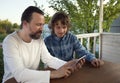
x=41 y=26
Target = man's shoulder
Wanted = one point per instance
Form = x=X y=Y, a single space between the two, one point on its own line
x=10 y=37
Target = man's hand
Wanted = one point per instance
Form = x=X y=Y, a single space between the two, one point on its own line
x=97 y=62
x=63 y=71
x=67 y=69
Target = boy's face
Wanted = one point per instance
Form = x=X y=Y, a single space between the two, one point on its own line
x=59 y=29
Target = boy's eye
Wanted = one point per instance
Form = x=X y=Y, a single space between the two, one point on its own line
x=56 y=24
x=64 y=27
x=58 y=27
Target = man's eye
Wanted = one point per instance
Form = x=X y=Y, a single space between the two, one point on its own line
x=39 y=24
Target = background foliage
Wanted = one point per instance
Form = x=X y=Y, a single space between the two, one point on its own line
x=7 y=27
x=85 y=13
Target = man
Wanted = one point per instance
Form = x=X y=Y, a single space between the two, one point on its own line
x=23 y=50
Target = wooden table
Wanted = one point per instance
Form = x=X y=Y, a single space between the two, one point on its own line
x=108 y=73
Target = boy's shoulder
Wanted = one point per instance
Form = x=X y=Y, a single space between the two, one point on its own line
x=48 y=37
x=71 y=34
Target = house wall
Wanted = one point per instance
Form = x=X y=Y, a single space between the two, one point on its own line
x=115 y=27
x=111 y=47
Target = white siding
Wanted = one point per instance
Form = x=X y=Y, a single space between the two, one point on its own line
x=111 y=47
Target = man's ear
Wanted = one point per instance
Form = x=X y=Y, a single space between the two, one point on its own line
x=25 y=24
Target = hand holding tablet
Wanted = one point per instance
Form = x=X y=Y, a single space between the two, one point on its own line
x=80 y=59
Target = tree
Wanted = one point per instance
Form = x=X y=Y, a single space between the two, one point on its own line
x=85 y=13
x=47 y=18
x=111 y=12
x=15 y=26
x=7 y=27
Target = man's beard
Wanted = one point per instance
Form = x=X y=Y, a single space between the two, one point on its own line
x=36 y=35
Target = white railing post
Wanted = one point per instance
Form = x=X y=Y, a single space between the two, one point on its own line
x=94 y=45
x=88 y=43
x=88 y=36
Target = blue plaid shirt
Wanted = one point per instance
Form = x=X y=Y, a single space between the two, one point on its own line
x=64 y=48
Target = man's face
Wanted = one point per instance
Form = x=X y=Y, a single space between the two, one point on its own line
x=36 y=25
x=59 y=29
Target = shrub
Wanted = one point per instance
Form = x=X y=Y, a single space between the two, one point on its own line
x=2 y=36
x=2 y=31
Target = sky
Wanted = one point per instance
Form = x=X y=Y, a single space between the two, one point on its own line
x=13 y=9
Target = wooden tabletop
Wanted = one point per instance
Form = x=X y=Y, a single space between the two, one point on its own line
x=108 y=73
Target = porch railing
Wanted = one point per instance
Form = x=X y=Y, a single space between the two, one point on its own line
x=89 y=36
x=108 y=45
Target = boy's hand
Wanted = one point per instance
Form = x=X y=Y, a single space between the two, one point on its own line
x=97 y=62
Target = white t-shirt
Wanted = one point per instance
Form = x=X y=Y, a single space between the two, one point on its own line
x=21 y=60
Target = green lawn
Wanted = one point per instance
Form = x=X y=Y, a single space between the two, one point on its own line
x=1 y=65
x=2 y=36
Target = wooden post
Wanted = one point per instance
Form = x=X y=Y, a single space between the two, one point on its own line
x=100 y=27
x=101 y=16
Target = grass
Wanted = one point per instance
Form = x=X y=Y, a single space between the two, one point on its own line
x=2 y=36
x=1 y=65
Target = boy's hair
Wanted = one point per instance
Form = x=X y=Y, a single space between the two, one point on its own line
x=27 y=14
x=59 y=16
